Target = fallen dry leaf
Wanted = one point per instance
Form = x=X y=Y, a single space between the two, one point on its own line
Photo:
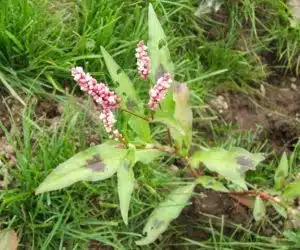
x=8 y=240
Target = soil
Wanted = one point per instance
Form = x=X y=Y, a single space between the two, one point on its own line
x=95 y=245
x=209 y=205
x=272 y=110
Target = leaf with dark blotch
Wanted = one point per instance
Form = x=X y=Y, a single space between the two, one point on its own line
x=94 y=164
x=157 y=224
x=161 y=43
x=245 y=163
x=118 y=75
x=125 y=187
x=166 y=211
x=183 y=114
x=158 y=47
x=282 y=172
x=131 y=104
x=160 y=72
x=230 y=164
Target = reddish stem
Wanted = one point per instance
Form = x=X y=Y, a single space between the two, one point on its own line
x=262 y=195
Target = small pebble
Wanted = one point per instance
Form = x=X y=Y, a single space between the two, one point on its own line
x=293 y=86
x=293 y=79
x=173 y=168
x=262 y=90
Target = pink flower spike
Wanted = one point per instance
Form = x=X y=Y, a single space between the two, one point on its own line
x=101 y=94
x=159 y=91
x=99 y=91
x=143 y=60
x=108 y=119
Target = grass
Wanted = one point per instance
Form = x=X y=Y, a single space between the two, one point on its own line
x=40 y=40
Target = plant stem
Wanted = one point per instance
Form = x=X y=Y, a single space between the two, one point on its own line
x=134 y=114
x=262 y=195
x=162 y=148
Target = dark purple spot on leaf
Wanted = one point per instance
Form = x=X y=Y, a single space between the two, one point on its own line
x=95 y=164
x=130 y=104
x=245 y=163
x=157 y=224
x=162 y=43
x=160 y=71
x=119 y=71
x=209 y=184
x=126 y=165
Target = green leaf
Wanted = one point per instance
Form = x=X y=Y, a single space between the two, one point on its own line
x=211 y=183
x=96 y=163
x=11 y=89
x=279 y=209
x=119 y=77
x=125 y=187
x=282 y=172
x=129 y=97
x=147 y=156
x=292 y=189
x=15 y=40
x=230 y=164
x=158 y=47
x=166 y=211
x=141 y=128
x=259 y=209
x=8 y=240
x=183 y=114
x=171 y=123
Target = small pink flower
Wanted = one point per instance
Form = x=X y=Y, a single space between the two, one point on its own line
x=99 y=91
x=108 y=119
x=143 y=60
x=159 y=91
x=103 y=96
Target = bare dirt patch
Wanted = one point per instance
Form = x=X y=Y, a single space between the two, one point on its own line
x=276 y=111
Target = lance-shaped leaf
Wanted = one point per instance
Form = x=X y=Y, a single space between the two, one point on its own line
x=158 y=47
x=282 y=172
x=292 y=189
x=279 y=209
x=140 y=127
x=129 y=97
x=211 y=183
x=96 y=163
x=147 y=156
x=119 y=77
x=230 y=164
x=183 y=114
x=171 y=123
x=166 y=211
x=259 y=209
x=8 y=240
x=126 y=183
x=160 y=57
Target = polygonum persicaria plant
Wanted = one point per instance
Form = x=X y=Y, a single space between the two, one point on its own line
x=167 y=104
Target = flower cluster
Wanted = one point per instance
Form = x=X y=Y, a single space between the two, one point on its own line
x=159 y=91
x=143 y=60
x=103 y=96
x=99 y=91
